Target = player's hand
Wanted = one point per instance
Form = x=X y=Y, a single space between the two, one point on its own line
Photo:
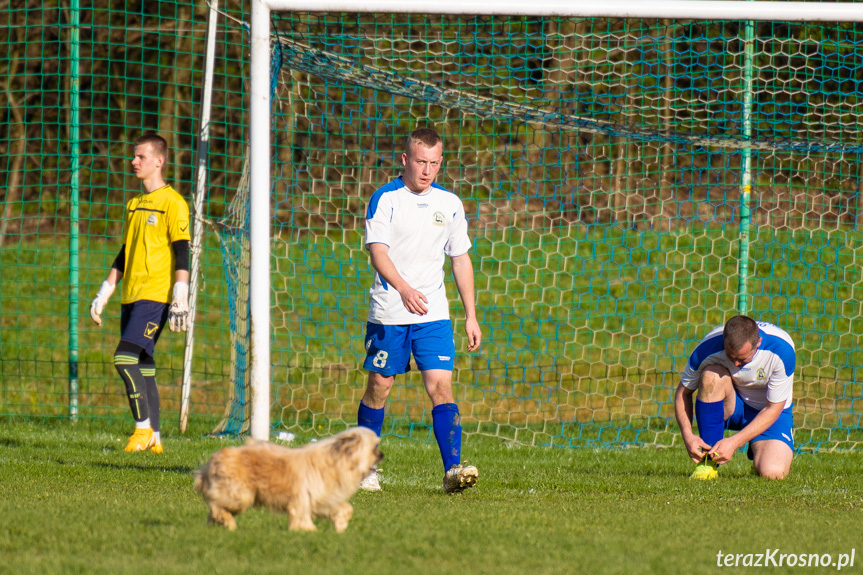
x=696 y=448
x=414 y=301
x=99 y=303
x=724 y=450
x=178 y=314
x=474 y=334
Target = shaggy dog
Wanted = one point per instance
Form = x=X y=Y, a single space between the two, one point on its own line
x=315 y=480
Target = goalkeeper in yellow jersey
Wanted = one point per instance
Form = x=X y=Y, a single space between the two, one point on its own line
x=154 y=261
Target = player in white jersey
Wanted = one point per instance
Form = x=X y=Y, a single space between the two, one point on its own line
x=412 y=225
x=744 y=374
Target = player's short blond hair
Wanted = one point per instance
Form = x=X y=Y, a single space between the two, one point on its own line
x=739 y=330
x=159 y=144
x=426 y=137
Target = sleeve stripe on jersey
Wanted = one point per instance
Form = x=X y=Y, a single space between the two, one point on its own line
x=376 y=197
x=147 y=210
x=705 y=349
x=373 y=205
x=781 y=348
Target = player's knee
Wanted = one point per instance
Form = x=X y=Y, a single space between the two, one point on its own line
x=774 y=474
x=715 y=373
x=440 y=392
x=128 y=349
x=439 y=387
x=379 y=383
x=772 y=470
x=714 y=377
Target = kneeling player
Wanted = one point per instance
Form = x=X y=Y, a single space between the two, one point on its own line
x=744 y=374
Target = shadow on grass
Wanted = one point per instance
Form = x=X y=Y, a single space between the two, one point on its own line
x=4 y=442
x=140 y=467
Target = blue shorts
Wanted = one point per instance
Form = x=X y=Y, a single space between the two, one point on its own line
x=141 y=323
x=389 y=347
x=781 y=428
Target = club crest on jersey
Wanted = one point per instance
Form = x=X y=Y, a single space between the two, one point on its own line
x=760 y=374
x=438 y=219
x=152 y=220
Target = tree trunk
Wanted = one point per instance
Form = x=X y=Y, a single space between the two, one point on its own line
x=18 y=132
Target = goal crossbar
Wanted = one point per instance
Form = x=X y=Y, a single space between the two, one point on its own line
x=261 y=93
x=680 y=9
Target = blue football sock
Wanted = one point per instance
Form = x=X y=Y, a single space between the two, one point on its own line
x=711 y=420
x=447 y=430
x=371 y=418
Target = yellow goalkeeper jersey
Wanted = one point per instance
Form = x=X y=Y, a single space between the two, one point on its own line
x=154 y=221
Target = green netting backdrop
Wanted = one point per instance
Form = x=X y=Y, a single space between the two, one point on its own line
x=600 y=161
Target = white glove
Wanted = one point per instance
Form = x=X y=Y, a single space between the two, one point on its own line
x=178 y=315
x=99 y=303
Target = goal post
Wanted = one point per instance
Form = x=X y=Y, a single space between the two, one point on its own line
x=259 y=208
x=262 y=86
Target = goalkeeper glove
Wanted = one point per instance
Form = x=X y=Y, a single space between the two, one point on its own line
x=99 y=303
x=178 y=315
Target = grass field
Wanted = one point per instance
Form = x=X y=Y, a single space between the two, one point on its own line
x=72 y=501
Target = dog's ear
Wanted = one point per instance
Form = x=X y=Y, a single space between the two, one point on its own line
x=346 y=445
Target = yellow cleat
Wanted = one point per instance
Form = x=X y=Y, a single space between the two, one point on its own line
x=706 y=470
x=157 y=448
x=141 y=440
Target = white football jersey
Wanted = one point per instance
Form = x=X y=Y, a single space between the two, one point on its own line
x=420 y=230
x=768 y=377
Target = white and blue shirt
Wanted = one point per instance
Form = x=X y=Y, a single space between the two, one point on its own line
x=768 y=377
x=420 y=230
